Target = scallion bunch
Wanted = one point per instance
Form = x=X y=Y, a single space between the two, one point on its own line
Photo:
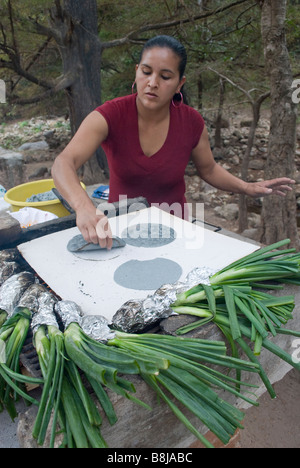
x=237 y=302
x=103 y=366
x=12 y=383
x=49 y=344
x=190 y=380
x=266 y=264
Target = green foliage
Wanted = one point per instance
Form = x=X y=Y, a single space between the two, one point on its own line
x=229 y=42
x=293 y=33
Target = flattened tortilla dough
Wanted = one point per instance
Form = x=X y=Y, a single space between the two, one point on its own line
x=147 y=275
x=148 y=235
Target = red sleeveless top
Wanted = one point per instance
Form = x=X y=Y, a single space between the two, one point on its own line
x=158 y=178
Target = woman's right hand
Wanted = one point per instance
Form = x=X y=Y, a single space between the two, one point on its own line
x=94 y=226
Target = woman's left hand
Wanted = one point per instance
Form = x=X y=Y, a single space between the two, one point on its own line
x=278 y=186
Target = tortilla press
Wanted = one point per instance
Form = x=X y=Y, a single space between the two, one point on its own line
x=79 y=244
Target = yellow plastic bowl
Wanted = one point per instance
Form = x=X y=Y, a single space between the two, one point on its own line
x=18 y=195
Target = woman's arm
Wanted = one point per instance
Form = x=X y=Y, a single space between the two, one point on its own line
x=91 y=222
x=218 y=177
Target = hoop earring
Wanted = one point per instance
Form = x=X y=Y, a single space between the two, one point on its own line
x=132 y=87
x=181 y=100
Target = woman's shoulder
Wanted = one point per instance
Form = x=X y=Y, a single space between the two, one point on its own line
x=190 y=111
x=188 y=117
x=116 y=103
x=188 y=122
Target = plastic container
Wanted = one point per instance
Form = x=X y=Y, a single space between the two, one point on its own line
x=18 y=195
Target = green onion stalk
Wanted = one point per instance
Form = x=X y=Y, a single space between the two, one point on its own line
x=65 y=402
x=247 y=335
x=13 y=333
x=253 y=314
x=264 y=312
x=270 y=263
x=256 y=269
x=66 y=408
x=190 y=380
x=102 y=368
x=12 y=383
x=235 y=300
x=11 y=291
x=103 y=365
x=65 y=405
x=241 y=286
x=3 y=317
x=49 y=344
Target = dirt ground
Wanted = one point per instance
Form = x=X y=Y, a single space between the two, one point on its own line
x=275 y=423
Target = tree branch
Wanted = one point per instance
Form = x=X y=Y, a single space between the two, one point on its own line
x=64 y=83
x=235 y=85
x=132 y=36
x=33 y=60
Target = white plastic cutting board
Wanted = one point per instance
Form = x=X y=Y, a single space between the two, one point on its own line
x=90 y=282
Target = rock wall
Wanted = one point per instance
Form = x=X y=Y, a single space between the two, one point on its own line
x=28 y=149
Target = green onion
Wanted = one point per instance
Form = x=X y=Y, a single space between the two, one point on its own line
x=3 y=317
x=242 y=308
x=232 y=312
x=265 y=264
x=12 y=336
x=102 y=364
x=50 y=350
x=189 y=380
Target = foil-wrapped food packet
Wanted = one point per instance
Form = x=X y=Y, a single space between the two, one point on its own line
x=13 y=289
x=135 y=316
x=44 y=313
x=130 y=317
x=10 y=255
x=30 y=298
x=97 y=327
x=68 y=312
x=8 y=269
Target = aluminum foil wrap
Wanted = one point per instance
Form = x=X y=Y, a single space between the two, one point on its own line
x=30 y=298
x=69 y=312
x=199 y=276
x=97 y=327
x=12 y=290
x=8 y=269
x=45 y=314
x=10 y=255
x=136 y=315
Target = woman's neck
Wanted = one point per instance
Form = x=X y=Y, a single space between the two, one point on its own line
x=152 y=115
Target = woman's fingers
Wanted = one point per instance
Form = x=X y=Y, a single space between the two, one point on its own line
x=279 y=186
x=95 y=227
x=104 y=234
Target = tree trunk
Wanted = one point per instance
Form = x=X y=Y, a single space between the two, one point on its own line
x=279 y=214
x=219 y=119
x=243 y=206
x=75 y=24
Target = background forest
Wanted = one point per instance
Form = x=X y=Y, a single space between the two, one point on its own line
x=228 y=41
x=64 y=58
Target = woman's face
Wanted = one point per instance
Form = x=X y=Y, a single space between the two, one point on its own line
x=157 y=77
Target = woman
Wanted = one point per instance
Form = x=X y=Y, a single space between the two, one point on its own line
x=148 y=138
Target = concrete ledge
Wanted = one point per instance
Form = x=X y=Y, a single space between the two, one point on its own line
x=10 y=229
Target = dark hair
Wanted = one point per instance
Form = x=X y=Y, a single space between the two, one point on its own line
x=178 y=49
x=170 y=43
